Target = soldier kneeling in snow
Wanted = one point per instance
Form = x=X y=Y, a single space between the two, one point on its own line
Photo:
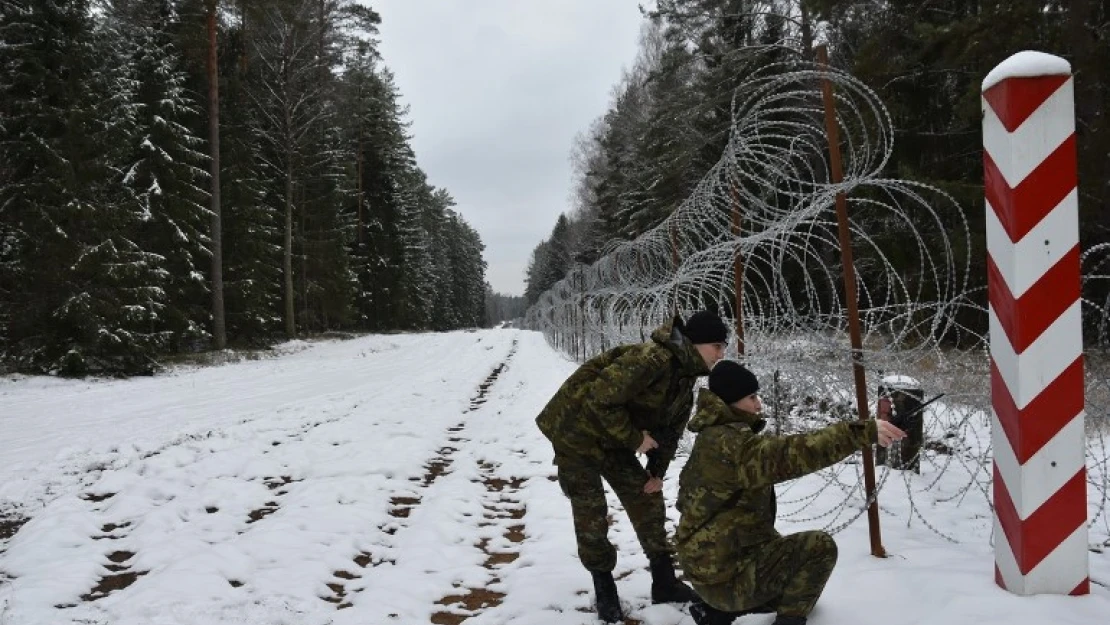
x=726 y=539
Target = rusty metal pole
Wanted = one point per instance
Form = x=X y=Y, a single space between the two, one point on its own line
x=582 y=313
x=674 y=260
x=837 y=175
x=738 y=275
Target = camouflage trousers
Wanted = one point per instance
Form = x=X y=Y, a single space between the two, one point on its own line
x=785 y=575
x=580 y=481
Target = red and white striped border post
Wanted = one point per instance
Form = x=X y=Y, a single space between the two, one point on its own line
x=1040 y=485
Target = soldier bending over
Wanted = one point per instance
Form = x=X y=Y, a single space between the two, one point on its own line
x=631 y=399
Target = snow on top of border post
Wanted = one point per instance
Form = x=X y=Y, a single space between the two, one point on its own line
x=1025 y=64
x=900 y=381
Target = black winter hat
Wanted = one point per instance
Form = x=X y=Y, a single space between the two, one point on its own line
x=731 y=381
x=705 y=327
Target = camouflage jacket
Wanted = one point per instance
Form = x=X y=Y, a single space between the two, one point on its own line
x=727 y=488
x=608 y=402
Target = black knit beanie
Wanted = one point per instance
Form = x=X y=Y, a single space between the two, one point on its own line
x=705 y=327
x=731 y=381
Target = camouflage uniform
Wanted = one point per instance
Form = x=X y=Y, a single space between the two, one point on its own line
x=595 y=423
x=726 y=539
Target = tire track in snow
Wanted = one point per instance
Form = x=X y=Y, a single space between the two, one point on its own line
x=10 y=523
x=227 y=481
x=441 y=463
x=502 y=507
x=402 y=506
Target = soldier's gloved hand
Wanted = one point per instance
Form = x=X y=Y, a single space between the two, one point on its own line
x=647 y=445
x=887 y=433
x=653 y=485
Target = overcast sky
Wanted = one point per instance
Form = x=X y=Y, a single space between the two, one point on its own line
x=497 y=91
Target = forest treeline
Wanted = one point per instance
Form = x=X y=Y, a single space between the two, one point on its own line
x=181 y=175
x=669 y=119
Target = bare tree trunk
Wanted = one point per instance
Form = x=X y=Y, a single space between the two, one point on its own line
x=245 y=35
x=1082 y=44
x=302 y=235
x=287 y=265
x=358 y=169
x=807 y=32
x=219 y=331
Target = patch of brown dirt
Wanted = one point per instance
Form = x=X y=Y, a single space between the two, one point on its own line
x=120 y=578
x=10 y=524
x=340 y=593
x=474 y=600
x=437 y=467
x=120 y=556
x=257 y=515
x=498 y=484
x=483 y=388
x=402 y=506
x=500 y=557
x=515 y=534
x=274 y=483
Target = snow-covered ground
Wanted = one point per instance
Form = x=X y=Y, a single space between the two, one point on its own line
x=400 y=479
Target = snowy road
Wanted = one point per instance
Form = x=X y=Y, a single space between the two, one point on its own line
x=388 y=479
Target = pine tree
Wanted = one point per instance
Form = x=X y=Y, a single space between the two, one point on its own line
x=417 y=285
x=290 y=112
x=445 y=259
x=463 y=282
x=251 y=226
x=381 y=140
x=470 y=287
x=167 y=166
x=83 y=296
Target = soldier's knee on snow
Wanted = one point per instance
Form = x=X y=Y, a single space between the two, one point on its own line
x=824 y=546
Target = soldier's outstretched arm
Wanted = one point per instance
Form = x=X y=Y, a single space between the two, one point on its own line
x=608 y=395
x=766 y=460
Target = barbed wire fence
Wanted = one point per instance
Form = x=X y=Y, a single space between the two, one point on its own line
x=761 y=225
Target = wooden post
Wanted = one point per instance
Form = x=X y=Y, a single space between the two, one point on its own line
x=674 y=261
x=738 y=275
x=837 y=175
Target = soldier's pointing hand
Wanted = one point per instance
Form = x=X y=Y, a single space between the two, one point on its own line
x=888 y=433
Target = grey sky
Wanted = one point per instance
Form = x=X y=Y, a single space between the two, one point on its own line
x=497 y=91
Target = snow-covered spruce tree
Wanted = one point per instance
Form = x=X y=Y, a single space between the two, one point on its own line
x=436 y=220
x=457 y=298
x=417 y=285
x=326 y=230
x=83 y=296
x=382 y=156
x=251 y=226
x=167 y=165
x=469 y=285
x=550 y=261
x=536 y=274
x=287 y=95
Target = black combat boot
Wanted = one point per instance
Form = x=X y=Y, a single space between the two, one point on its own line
x=664 y=587
x=705 y=614
x=608 y=603
x=782 y=619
